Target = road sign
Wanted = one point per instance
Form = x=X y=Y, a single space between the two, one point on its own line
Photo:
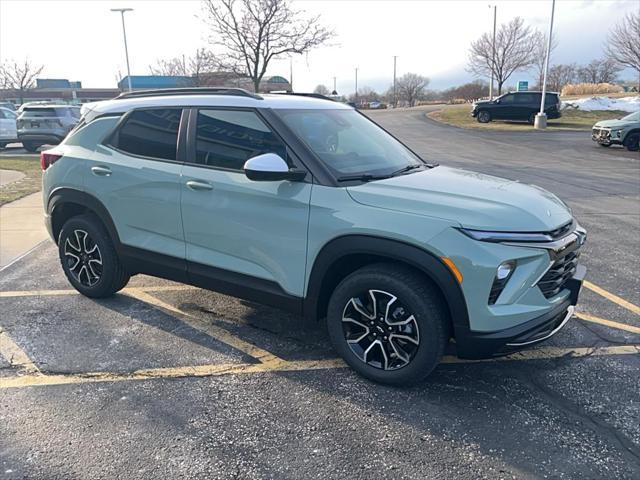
x=523 y=86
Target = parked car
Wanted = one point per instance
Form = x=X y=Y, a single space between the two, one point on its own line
x=8 y=105
x=8 y=130
x=46 y=124
x=307 y=205
x=624 y=131
x=516 y=106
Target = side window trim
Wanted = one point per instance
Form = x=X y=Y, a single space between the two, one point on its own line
x=111 y=140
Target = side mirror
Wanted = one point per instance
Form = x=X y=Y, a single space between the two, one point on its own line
x=270 y=167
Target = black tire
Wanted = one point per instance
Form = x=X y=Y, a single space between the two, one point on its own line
x=483 y=116
x=632 y=141
x=412 y=293
x=31 y=146
x=2 y=145
x=604 y=144
x=89 y=259
x=532 y=119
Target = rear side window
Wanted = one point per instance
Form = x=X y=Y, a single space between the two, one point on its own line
x=39 y=112
x=228 y=138
x=525 y=98
x=150 y=133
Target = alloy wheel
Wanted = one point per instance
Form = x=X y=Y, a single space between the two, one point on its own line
x=83 y=258
x=380 y=330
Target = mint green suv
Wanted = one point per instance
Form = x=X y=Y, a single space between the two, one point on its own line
x=305 y=204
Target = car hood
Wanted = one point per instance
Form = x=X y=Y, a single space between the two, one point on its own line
x=483 y=102
x=615 y=123
x=470 y=199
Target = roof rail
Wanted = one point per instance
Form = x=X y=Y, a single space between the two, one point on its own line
x=164 y=92
x=313 y=95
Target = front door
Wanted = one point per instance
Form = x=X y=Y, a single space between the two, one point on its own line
x=233 y=225
x=136 y=175
x=505 y=109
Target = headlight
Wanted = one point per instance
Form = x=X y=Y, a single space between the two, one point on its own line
x=497 y=237
x=616 y=133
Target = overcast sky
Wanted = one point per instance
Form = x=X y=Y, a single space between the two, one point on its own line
x=82 y=39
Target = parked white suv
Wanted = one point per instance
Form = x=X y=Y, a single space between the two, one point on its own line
x=8 y=129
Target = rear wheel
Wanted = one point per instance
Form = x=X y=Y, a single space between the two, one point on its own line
x=532 y=119
x=632 y=141
x=388 y=324
x=31 y=146
x=89 y=259
x=483 y=116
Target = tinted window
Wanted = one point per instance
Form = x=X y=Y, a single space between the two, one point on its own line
x=39 y=112
x=525 y=98
x=506 y=99
x=151 y=133
x=2 y=115
x=228 y=138
x=550 y=99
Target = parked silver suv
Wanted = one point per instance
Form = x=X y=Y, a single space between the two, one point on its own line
x=46 y=124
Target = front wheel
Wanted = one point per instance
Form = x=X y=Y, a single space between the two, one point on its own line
x=31 y=146
x=604 y=144
x=89 y=259
x=484 y=116
x=388 y=324
x=632 y=142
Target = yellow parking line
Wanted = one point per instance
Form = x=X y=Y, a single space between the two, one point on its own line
x=46 y=293
x=211 y=330
x=286 y=366
x=609 y=323
x=15 y=355
x=614 y=298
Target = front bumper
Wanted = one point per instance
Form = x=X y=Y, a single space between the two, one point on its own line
x=603 y=137
x=476 y=345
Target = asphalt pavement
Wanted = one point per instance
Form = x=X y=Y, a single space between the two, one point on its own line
x=168 y=381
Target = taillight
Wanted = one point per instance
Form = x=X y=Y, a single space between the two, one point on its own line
x=48 y=158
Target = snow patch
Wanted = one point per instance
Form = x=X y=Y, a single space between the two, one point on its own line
x=625 y=104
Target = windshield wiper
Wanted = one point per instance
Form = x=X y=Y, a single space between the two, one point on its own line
x=363 y=177
x=408 y=168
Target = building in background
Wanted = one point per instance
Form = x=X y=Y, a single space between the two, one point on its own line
x=62 y=90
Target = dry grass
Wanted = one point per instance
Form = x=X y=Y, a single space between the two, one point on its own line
x=590 y=89
x=30 y=183
x=460 y=116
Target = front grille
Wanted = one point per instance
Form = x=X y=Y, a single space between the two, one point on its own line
x=600 y=133
x=560 y=272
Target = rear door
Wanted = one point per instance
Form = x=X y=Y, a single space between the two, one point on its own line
x=234 y=225
x=136 y=174
x=526 y=105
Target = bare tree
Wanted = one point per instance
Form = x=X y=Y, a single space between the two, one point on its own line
x=623 y=43
x=19 y=76
x=515 y=49
x=541 y=53
x=251 y=33
x=197 y=66
x=322 y=90
x=599 y=71
x=468 y=91
x=411 y=87
x=561 y=75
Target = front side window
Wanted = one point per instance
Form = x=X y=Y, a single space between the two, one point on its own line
x=349 y=143
x=150 y=133
x=228 y=138
x=506 y=99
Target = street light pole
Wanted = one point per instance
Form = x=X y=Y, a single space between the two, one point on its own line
x=124 y=33
x=395 y=102
x=493 y=51
x=541 y=118
x=356 y=85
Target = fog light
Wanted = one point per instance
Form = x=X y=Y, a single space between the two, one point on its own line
x=504 y=270
x=503 y=273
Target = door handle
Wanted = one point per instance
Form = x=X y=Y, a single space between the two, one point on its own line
x=196 y=185
x=102 y=171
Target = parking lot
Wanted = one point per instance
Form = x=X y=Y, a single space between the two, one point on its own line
x=169 y=381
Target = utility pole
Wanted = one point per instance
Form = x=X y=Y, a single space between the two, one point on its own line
x=395 y=97
x=124 y=33
x=335 y=91
x=356 y=85
x=291 y=72
x=493 y=51
x=541 y=118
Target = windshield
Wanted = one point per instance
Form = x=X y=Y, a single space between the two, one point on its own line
x=348 y=143
x=633 y=117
